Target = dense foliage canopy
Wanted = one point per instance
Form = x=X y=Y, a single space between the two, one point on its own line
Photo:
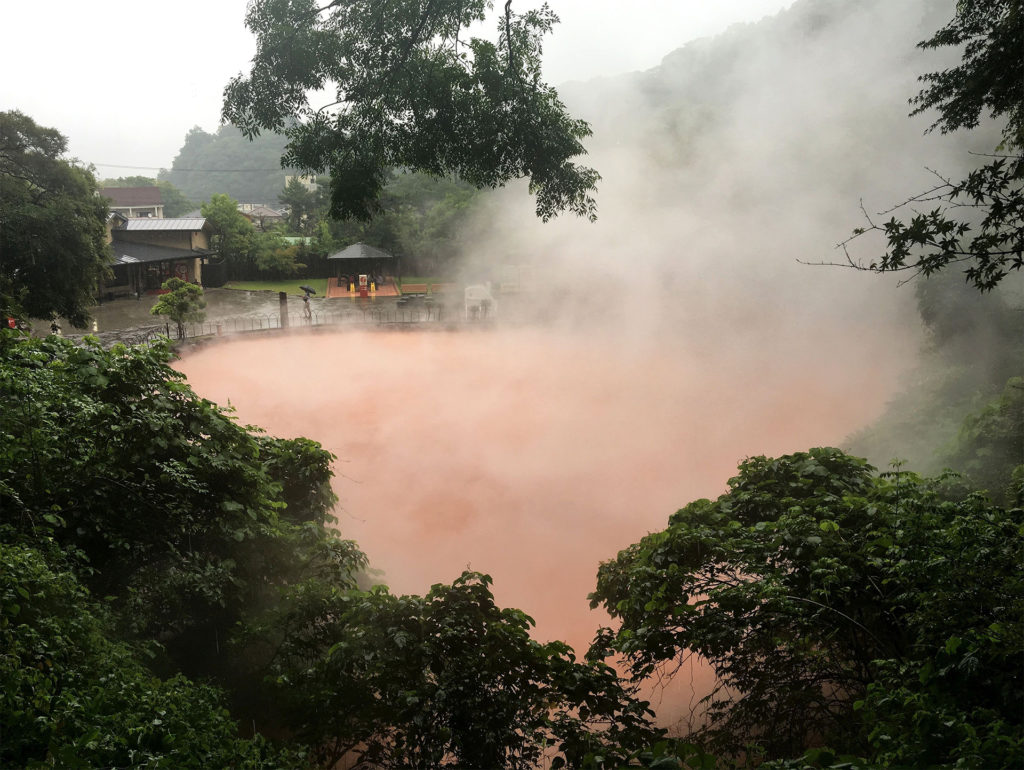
x=117 y=481
x=52 y=226
x=445 y=680
x=878 y=613
x=412 y=92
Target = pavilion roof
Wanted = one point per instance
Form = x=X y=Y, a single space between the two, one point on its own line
x=361 y=251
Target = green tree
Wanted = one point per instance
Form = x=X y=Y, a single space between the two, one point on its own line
x=977 y=222
x=273 y=256
x=878 y=613
x=411 y=92
x=183 y=304
x=990 y=445
x=53 y=245
x=974 y=345
x=301 y=205
x=233 y=234
x=445 y=680
x=72 y=695
x=420 y=218
x=178 y=513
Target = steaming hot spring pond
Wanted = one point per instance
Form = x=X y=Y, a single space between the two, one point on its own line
x=530 y=455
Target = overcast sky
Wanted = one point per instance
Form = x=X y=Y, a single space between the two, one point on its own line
x=126 y=81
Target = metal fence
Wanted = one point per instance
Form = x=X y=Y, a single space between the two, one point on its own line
x=399 y=316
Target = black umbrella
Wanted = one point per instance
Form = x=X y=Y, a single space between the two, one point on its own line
x=308 y=289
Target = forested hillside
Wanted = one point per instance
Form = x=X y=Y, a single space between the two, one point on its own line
x=226 y=162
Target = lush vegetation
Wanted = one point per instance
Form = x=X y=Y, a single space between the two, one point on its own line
x=151 y=543
x=52 y=245
x=962 y=407
x=877 y=613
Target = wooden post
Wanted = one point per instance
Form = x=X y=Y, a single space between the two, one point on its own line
x=283 y=299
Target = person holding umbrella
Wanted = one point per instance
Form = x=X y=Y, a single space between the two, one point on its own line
x=307 y=312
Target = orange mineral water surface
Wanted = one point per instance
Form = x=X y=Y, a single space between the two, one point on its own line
x=527 y=454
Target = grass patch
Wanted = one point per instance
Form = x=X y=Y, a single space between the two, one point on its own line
x=289 y=287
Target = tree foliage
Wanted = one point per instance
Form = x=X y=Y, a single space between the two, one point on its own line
x=421 y=218
x=990 y=76
x=974 y=348
x=52 y=226
x=990 y=445
x=877 y=613
x=411 y=92
x=183 y=303
x=73 y=696
x=172 y=505
x=977 y=222
x=232 y=233
x=301 y=203
x=445 y=680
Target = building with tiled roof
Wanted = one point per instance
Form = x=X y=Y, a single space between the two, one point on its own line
x=262 y=217
x=135 y=201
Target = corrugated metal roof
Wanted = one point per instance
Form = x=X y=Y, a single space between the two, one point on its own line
x=152 y=223
x=133 y=253
x=361 y=251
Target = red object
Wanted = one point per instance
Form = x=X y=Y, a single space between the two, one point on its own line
x=12 y=324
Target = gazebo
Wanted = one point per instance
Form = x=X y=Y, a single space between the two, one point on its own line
x=361 y=259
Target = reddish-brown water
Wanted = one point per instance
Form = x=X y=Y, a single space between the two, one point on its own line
x=526 y=454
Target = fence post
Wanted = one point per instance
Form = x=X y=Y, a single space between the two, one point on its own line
x=282 y=298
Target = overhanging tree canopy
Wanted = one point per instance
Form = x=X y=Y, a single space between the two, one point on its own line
x=977 y=222
x=52 y=236
x=411 y=91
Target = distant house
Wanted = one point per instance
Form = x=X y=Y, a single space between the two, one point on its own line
x=133 y=202
x=262 y=217
x=149 y=251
